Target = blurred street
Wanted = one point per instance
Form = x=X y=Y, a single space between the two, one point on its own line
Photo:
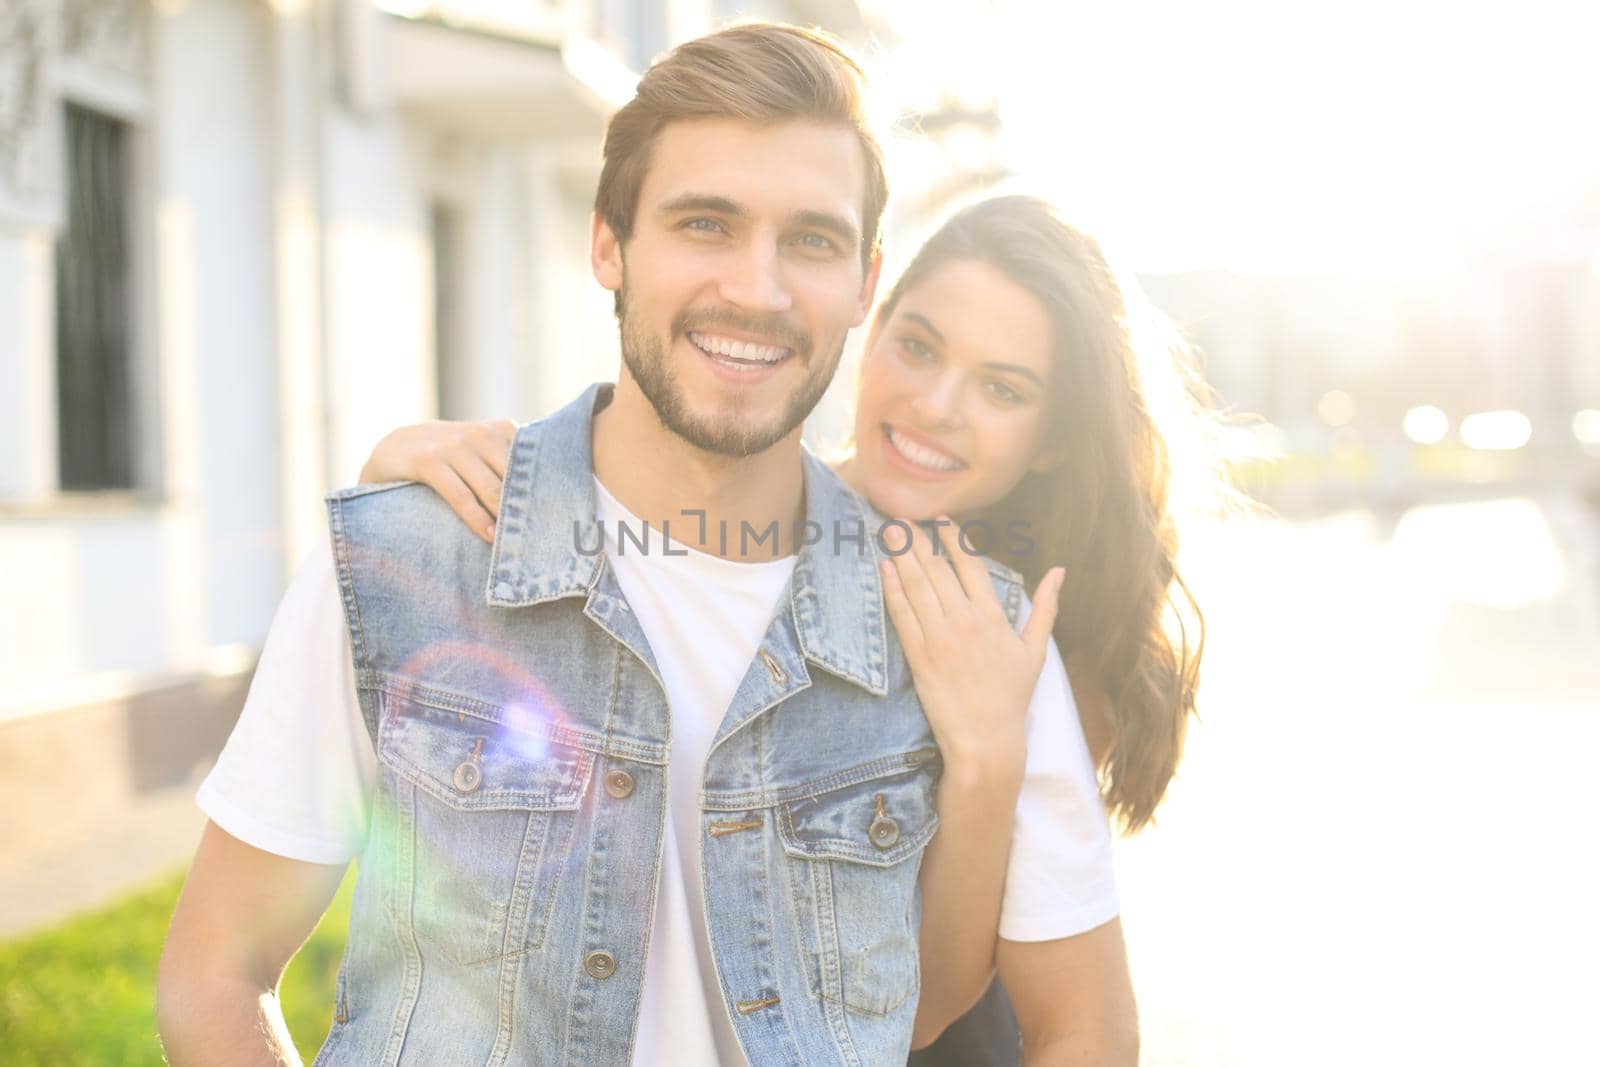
x=1380 y=847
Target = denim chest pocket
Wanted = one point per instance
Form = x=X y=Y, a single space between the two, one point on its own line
x=852 y=854
x=485 y=827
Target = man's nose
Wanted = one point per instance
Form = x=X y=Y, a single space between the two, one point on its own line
x=755 y=279
x=939 y=403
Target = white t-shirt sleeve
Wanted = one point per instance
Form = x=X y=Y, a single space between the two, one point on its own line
x=1059 y=880
x=296 y=775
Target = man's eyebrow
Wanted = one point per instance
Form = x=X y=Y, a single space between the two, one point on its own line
x=721 y=205
x=837 y=225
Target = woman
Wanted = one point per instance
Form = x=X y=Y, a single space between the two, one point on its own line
x=999 y=388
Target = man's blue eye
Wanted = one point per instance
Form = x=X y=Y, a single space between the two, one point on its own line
x=703 y=225
x=817 y=241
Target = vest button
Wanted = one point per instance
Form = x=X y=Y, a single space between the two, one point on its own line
x=467 y=777
x=619 y=783
x=601 y=965
x=884 y=831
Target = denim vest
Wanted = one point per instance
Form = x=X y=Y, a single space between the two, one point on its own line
x=507 y=886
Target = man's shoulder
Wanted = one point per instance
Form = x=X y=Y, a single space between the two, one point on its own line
x=398 y=516
x=391 y=498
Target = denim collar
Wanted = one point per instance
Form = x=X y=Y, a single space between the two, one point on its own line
x=836 y=594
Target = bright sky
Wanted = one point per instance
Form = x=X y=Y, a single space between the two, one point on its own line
x=1283 y=138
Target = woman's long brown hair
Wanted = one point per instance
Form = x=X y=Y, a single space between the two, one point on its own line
x=1129 y=628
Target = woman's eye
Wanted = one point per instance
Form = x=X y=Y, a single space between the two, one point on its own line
x=1004 y=393
x=915 y=350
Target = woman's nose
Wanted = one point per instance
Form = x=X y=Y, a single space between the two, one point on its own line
x=939 y=405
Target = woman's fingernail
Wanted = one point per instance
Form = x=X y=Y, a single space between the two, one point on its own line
x=490 y=531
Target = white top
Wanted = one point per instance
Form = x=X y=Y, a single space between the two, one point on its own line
x=297 y=773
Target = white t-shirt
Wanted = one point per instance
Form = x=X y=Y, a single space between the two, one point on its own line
x=296 y=775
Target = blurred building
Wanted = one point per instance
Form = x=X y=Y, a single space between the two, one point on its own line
x=239 y=241
x=1337 y=363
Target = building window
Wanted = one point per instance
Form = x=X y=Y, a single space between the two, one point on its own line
x=94 y=336
x=449 y=372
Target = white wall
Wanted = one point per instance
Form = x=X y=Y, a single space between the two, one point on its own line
x=98 y=584
x=217 y=323
x=287 y=264
x=379 y=299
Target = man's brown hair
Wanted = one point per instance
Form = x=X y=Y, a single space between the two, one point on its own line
x=759 y=72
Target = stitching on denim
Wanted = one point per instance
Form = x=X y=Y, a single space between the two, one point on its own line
x=443 y=700
x=522 y=458
x=517 y=918
x=347 y=583
x=411 y=983
x=822 y=875
x=882 y=767
x=759 y=741
x=661 y=839
x=498 y=800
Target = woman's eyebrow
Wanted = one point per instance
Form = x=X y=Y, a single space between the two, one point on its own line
x=1013 y=368
x=922 y=320
x=1017 y=368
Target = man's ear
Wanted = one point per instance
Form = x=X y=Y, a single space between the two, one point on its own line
x=605 y=254
x=878 y=320
x=869 y=288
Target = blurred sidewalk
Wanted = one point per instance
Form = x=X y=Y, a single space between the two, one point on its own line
x=156 y=834
x=98 y=798
x=1379 y=847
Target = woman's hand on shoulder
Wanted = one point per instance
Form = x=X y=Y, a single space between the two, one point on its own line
x=464 y=462
x=974 y=673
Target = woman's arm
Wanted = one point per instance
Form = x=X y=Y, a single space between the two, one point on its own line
x=464 y=462
x=974 y=676
x=962 y=881
x=1073 y=998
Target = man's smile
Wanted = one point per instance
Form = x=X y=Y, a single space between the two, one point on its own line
x=739 y=355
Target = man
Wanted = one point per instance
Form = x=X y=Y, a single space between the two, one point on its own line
x=643 y=804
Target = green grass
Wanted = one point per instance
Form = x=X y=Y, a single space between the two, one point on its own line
x=84 y=992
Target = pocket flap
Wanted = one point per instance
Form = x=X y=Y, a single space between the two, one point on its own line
x=475 y=764
x=878 y=821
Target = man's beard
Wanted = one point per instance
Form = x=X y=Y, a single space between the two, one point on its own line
x=646 y=360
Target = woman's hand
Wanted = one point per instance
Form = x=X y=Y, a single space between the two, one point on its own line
x=464 y=462
x=973 y=672
x=975 y=677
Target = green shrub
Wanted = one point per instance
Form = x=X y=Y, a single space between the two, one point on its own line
x=84 y=992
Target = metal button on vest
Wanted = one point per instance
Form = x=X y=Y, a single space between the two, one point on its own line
x=600 y=965
x=619 y=784
x=883 y=831
x=467 y=777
